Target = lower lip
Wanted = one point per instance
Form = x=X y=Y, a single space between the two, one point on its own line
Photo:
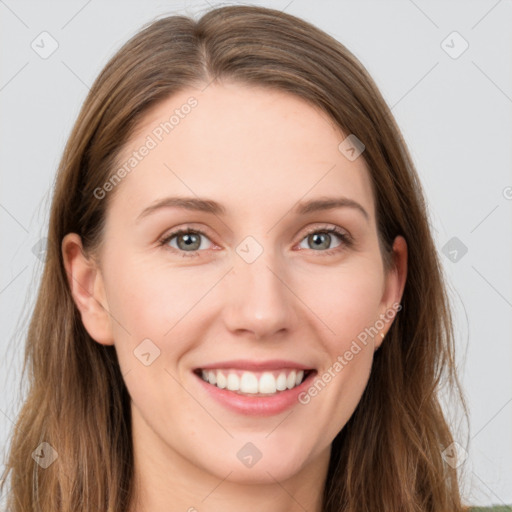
x=258 y=405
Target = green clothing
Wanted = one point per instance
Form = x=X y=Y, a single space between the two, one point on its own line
x=506 y=508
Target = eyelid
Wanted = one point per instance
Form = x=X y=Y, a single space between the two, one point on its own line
x=346 y=238
x=347 y=241
x=174 y=232
x=323 y=227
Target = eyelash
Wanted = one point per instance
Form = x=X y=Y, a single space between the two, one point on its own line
x=346 y=240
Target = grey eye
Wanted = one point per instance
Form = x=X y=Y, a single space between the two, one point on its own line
x=320 y=240
x=186 y=240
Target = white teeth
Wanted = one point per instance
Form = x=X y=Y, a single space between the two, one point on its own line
x=233 y=382
x=249 y=383
x=222 y=382
x=267 y=383
x=281 y=382
x=290 y=381
x=254 y=382
x=212 y=378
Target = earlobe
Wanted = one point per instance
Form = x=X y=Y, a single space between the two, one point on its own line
x=87 y=289
x=395 y=284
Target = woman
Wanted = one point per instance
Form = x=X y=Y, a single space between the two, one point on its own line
x=205 y=348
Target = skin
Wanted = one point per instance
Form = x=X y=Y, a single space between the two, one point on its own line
x=258 y=152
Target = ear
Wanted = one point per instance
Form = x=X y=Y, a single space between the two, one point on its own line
x=87 y=288
x=394 y=284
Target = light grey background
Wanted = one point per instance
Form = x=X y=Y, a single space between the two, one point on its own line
x=455 y=114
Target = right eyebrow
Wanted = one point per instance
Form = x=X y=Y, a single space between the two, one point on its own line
x=188 y=203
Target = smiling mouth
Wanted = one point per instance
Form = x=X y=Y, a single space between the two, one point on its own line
x=257 y=383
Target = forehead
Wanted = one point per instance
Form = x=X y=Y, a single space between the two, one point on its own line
x=243 y=145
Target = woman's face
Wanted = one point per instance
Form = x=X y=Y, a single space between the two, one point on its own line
x=260 y=296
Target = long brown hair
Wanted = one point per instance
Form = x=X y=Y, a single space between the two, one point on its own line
x=388 y=456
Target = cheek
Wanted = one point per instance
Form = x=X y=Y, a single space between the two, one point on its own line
x=349 y=309
x=347 y=300
x=152 y=298
x=159 y=303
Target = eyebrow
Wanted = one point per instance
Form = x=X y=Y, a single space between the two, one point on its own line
x=210 y=206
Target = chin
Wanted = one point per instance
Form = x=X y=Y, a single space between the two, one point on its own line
x=256 y=460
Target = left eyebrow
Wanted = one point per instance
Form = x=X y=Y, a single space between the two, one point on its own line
x=210 y=206
x=329 y=203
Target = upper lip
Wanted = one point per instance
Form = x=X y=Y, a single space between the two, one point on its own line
x=251 y=365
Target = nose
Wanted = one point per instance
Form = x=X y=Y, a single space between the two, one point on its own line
x=258 y=299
